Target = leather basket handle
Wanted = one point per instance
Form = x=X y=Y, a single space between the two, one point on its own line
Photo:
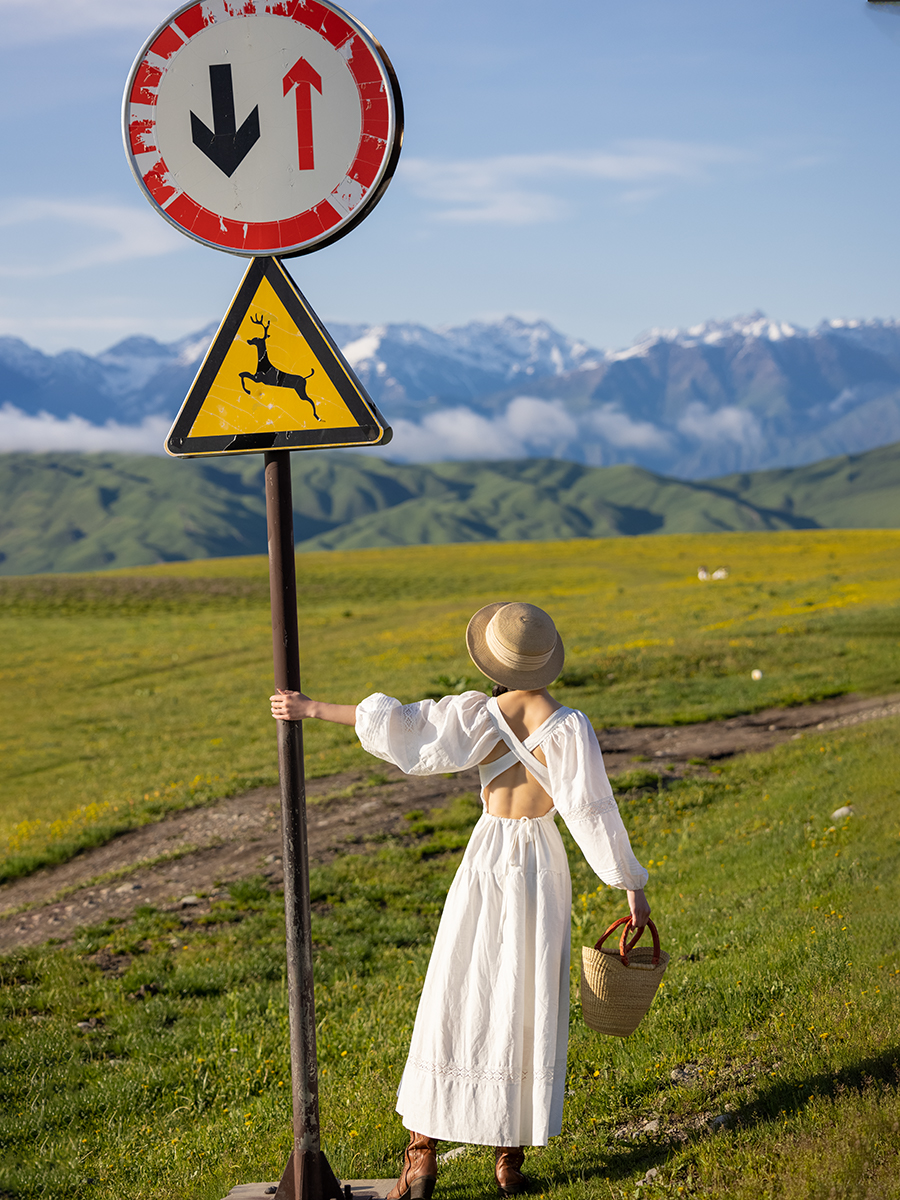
x=625 y=947
x=615 y=925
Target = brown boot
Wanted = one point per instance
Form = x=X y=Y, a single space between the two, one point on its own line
x=419 y=1174
x=508 y=1170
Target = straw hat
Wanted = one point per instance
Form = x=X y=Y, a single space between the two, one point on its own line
x=515 y=645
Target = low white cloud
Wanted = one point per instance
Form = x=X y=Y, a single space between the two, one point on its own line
x=528 y=189
x=728 y=424
x=41 y=238
x=528 y=427
x=19 y=431
x=540 y=423
x=452 y=433
x=49 y=20
x=619 y=430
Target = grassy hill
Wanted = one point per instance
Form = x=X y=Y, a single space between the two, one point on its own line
x=83 y=512
x=858 y=491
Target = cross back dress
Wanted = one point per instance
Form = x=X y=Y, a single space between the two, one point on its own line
x=487 y=1058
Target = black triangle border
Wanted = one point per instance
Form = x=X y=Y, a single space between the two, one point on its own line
x=371 y=428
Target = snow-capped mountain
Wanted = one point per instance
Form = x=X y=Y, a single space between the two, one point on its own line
x=137 y=378
x=403 y=366
x=742 y=394
x=727 y=395
x=409 y=369
x=882 y=336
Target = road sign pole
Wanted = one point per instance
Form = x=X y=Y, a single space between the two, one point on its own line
x=307 y=1175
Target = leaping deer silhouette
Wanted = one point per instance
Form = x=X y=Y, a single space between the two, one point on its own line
x=268 y=374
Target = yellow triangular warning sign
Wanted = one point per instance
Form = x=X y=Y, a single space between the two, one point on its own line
x=273 y=379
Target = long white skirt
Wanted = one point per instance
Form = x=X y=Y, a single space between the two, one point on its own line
x=487 y=1062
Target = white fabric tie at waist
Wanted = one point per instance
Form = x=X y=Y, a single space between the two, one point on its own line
x=516 y=859
x=524 y=835
x=522 y=838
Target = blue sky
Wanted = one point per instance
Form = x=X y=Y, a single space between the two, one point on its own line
x=609 y=166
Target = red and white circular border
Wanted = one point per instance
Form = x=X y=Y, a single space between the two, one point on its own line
x=381 y=135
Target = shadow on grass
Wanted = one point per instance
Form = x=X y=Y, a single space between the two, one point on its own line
x=789 y=1098
x=776 y=1101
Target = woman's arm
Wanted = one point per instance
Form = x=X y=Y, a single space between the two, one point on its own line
x=294 y=706
x=584 y=800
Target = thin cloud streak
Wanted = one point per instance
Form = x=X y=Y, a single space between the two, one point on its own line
x=125 y=233
x=512 y=189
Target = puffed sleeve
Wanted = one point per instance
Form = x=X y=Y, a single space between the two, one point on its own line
x=584 y=800
x=430 y=737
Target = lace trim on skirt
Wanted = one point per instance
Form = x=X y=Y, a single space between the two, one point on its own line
x=480 y=1074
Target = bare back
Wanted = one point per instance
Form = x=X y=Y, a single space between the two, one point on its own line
x=516 y=793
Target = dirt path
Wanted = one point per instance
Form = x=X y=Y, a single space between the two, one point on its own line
x=183 y=862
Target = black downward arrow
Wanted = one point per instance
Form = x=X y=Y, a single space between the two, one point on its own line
x=228 y=146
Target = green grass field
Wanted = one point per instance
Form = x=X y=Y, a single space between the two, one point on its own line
x=778 y=1014
x=140 y=691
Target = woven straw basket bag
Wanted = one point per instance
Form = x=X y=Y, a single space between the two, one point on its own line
x=618 y=985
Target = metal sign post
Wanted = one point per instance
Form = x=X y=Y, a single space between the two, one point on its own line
x=308 y=1173
x=270 y=129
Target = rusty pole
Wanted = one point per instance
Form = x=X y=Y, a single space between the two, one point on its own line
x=307 y=1175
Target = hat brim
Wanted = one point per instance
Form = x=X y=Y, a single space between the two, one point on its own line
x=509 y=677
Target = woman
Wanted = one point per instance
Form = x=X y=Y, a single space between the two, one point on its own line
x=487 y=1060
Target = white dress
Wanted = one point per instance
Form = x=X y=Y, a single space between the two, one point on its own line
x=487 y=1061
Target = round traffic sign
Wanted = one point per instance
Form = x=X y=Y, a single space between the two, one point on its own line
x=265 y=127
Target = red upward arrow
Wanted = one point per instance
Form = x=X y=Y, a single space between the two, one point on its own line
x=304 y=78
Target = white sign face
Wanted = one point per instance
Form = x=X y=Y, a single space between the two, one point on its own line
x=262 y=128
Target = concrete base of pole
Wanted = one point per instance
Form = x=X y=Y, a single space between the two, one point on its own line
x=360 y=1189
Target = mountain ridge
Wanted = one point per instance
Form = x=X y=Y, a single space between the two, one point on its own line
x=747 y=393
x=82 y=512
